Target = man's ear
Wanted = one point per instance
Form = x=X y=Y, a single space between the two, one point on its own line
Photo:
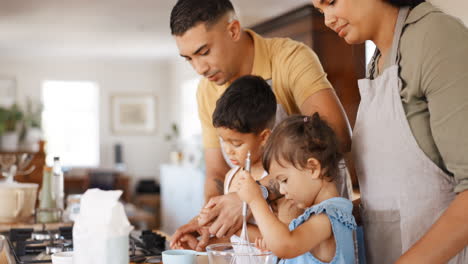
x=313 y=165
x=234 y=30
x=264 y=136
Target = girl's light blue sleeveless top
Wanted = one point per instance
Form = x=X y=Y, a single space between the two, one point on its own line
x=340 y=213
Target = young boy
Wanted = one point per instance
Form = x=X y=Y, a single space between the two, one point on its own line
x=244 y=117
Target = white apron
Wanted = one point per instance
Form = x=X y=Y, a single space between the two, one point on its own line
x=402 y=191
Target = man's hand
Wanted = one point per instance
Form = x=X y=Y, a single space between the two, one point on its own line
x=224 y=213
x=186 y=236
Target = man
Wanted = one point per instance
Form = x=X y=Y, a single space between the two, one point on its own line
x=211 y=39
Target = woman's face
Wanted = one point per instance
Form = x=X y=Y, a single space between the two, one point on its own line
x=352 y=20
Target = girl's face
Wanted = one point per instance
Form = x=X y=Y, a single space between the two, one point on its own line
x=236 y=145
x=352 y=20
x=298 y=185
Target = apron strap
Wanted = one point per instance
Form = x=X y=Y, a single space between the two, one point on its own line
x=394 y=56
x=402 y=14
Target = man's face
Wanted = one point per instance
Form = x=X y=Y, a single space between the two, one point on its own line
x=209 y=51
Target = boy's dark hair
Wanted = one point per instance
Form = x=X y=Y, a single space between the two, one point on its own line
x=188 y=13
x=298 y=138
x=247 y=106
x=400 y=3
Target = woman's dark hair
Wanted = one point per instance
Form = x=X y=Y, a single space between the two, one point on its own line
x=410 y=3
x=188 y=13
x=298 y=138
x=247 y=106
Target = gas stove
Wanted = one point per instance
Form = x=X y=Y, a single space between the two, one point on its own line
x=27 y=245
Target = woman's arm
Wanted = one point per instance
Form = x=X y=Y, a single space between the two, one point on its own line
x=447 y=237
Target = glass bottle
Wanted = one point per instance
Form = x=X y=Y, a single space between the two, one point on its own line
x=47 y=211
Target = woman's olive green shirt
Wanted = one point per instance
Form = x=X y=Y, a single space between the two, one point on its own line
x=433 y=61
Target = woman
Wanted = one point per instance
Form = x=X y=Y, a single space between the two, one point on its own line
x=410 y=139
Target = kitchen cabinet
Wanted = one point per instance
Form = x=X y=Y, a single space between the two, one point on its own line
x=343 y=63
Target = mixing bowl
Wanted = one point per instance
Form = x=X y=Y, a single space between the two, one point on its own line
x=235 y=253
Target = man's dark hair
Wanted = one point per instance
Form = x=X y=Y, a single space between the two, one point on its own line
x=188 y=13
x=401 y=3
x=247 y=106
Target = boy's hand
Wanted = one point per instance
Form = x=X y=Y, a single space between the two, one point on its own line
x=185 y=236
x=186 y=241
x=261 y=244
x=248 y=189
x=204 y=239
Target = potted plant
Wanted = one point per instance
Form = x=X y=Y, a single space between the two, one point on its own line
x=31 y=130
x=9 y=120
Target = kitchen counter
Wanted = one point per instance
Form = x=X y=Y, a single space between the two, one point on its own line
x=3 y=258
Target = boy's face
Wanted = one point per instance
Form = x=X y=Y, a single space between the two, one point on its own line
x=236 y=145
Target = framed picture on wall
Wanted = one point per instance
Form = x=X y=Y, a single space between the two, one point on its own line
x=133 y=114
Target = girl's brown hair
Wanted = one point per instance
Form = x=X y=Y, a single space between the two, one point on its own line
x=298 y=138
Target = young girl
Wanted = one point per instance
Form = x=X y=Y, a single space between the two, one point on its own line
x=302 y=154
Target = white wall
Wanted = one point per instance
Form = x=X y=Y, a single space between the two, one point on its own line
x=457 y=8
x=142 y=153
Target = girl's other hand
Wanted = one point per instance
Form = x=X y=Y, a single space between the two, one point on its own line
x=261 y=244
x=248 y=189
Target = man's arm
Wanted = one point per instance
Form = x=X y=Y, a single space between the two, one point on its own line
x=327 y=104
x=216 y=169
x=447 y=237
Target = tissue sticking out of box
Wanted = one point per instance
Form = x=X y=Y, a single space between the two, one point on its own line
x=100 y=232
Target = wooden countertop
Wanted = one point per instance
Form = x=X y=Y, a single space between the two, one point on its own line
x=3 y=258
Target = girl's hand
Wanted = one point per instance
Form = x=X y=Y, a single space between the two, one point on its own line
x=261 y=244
x=248 y=189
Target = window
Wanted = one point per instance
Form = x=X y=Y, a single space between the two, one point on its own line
x=191 y=126
x=71 y=122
